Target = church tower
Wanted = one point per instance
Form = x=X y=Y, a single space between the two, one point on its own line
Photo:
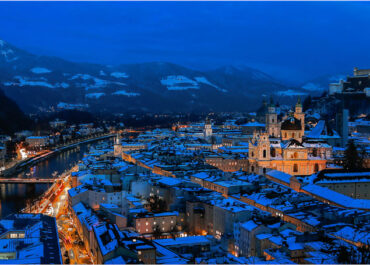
x=207 y=131
x=263 y=146
x=299 y=114
x=117 y=146
x=272 y=125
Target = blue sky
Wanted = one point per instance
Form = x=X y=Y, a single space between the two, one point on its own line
x=293 y=41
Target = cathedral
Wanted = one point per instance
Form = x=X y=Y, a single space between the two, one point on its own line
x=282 y=147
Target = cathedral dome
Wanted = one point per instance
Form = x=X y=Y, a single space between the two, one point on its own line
x=291 y=124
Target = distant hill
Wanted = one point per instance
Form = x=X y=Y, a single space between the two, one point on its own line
x=12 y=119
x=38 y=83
x=320 y=84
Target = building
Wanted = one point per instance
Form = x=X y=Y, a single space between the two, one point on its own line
x=29 y=239
x=58 y=124
x=250 y=127
x=195 y=245
x=37 y=141
x=84 y=218
x=245 y=237
x=359 y=83
x=228 y=163
x=288 y=154
x=96 y=192
x=353 y=184
x=152 y=223
x=199 y=217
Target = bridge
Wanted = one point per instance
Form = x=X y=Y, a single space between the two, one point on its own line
x=26 y=181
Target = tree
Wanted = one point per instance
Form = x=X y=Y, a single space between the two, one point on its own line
x=307 y=103
x=157 y=232
x=156 y=204
x=343 y=255
x=352 y=160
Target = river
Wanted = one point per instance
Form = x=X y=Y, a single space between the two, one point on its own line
x=13 y=197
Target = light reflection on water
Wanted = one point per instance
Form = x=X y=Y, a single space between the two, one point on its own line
x=13 y=197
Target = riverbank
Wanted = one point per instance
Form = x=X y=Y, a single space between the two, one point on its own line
x=22 y=165
x=16 y=196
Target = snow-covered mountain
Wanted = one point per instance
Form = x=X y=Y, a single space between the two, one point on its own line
x=321 y=84
x=41 y=82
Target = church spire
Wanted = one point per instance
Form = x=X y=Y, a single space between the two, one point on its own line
x=299 y=101
x=271 y=102
x=118 y=138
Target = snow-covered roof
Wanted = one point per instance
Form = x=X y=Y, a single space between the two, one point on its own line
x=336 y=197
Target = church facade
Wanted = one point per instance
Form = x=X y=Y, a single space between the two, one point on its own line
x=282 y=147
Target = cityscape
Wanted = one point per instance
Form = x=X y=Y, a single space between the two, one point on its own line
x=130 y=134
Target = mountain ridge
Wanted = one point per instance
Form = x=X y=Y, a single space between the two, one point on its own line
x=151 y=86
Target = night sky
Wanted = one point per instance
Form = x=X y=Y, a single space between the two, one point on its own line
x=292 y=41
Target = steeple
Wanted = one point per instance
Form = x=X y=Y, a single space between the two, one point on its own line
x=271 y=106
x=298 y=105
x=271 y=102
x=207 y=131
x=118 y=139
x=117 y=145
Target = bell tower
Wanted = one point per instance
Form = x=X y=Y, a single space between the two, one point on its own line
x=272 y=125
x=207 y=131
x=299 y=114
x=117 y=145
x=263 y=147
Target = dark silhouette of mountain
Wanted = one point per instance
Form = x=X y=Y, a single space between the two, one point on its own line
x=39 y=83
x=12 y=119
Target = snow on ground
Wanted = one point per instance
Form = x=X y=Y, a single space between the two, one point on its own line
x=99 y=83
x=125 y=93
x=25 y=82
x=64 y=105
x=7 y=54
x=182 y=87
x=336 y=78
x=119 y=75
x=260 y=76
x=179 y=82
x=291 y=93
x=94 y=95
x=313 y=87
x=64 y=85
x=40 y=70
x=102 y=73
x=83 y=77
x=204 y=80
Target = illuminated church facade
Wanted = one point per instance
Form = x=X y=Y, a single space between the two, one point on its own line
x=281 y=146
